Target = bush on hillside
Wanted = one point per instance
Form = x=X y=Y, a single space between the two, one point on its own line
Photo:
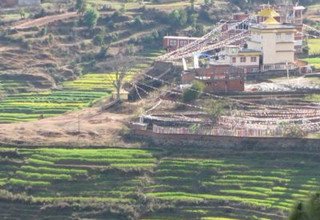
x=178 y=18
x=308 y=210
x=81 y=6
x=98 y=40
x=292 y=130
x=193 y=92
x=90 y=18
x=102 y=53
x=214 y=109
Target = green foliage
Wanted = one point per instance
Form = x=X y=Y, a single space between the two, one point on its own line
x=98 y=40
x=293 y=131
x=178 y=18
x=81 y=6
x=309 y=210
x=193 y=92
x=102 y=53
x=193 y=20
x=208 y=2
x=214 y=109
x=192 y=4
x=91 y=17
x=43 y=31
x=137 y=21
x=22 y=13
x=198 y=30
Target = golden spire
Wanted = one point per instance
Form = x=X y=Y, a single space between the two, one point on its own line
x=268 y=12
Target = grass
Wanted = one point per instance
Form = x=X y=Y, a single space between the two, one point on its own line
x=314 y=49
x=314 y=45
x=314 y=61
x=313 y=98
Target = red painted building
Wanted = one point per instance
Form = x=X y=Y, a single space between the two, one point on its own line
x=217 y=78
x=171 y=43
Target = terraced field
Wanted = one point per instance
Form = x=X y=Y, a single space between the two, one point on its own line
x=102 y=177
x=314 y=45
x=154 y=183
x=73 y=95
x=314 y=62
x=234 y=186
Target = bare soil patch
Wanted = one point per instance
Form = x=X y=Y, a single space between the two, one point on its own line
x=89 y=127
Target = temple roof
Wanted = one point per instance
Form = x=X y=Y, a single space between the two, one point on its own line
x=268 y=12
x=270 y=20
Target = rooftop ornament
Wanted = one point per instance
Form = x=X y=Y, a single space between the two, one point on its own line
x=268 y=12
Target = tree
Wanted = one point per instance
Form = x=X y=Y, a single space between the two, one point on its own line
x=178 y=17
x=192 y=5
x=308 y=210
x=183 y=17
x=208 y=2
x=214 y=109
x=137 y=22
x=98 y=40
x=199 y=30
x=193 y=92
x=120 y=66
x=81 y=6
x=123 y=9
x=292 y=130
x=103 y=53
x=91 y=17
x=193 y=20
x=22 y=13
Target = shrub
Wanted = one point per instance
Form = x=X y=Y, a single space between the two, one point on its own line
x=178 y=18
x=293 y=131
x=102 y=53
x=307 y=210
x=137 y=22
x=98 y=40
x=81 y=6
x=90 y=18
x=214 y=109
x=194 y=92
x=43 y=31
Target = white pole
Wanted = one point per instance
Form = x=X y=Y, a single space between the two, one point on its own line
x=287 y=67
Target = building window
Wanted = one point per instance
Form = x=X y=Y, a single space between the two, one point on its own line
x=234 y=59
x=182 y=43
x=253 y=59
x=242 y=59
x=289 y=36
x=172 y=42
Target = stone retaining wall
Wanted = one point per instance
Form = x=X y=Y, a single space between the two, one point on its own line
x=228 y=142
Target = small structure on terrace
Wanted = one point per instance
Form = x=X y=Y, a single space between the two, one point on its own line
x=171 y=43
x=246 y=59
x=217 y=78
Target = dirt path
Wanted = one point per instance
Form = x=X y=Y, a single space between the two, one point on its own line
x=44 y=20
x=96 y=129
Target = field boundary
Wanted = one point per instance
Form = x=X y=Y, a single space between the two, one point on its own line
x=227 y=142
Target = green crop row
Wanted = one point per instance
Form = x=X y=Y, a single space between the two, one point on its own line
x=52 y=170
x=19 y=182
x=43 y=176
